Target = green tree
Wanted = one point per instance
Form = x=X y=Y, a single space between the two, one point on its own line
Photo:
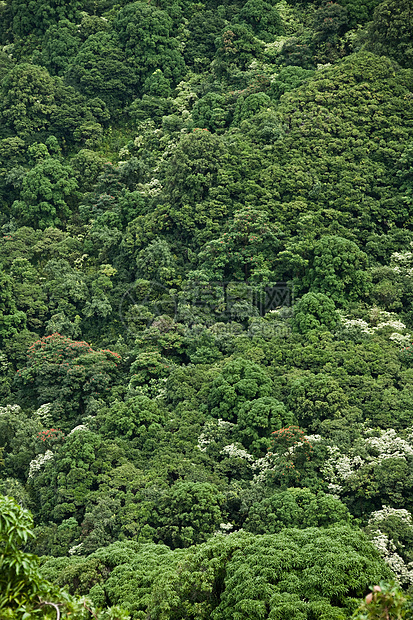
x=362 y=194
x=11 y=319
x=360 y=11
x=195 y=188
x=316 y=397
x=297 y=51
x=291 y=460
x=139 y=419
x=296 y=573
x=240 y=381
x=310 y=572
x=237 y=47
x=263 y=18
x=386 y=600
x=250 y=106
x=329 y=24
x=188 y=514
x=157 y=85
x=26 y=19
x=65 y=483
x=28 y=99
x=288 y=79
x=391 y=30
x=19 y=441
x=88 y=166
x=24 y=593
x=100 y=69
x=68 y=374
x=257 y=419
x=194 y=167
x=204 y=28
x=34 y=103
x=315 y=311
x=334 y=564
x=46 y=191
x=145 y=36
x=121 y=571
x=246 y=251
x=60 y=44
x=67 y=295
x=156 y=262
x=210 y=112
x=299 y=508
x=337 y=268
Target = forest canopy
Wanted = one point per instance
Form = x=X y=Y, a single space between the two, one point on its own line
x=206 y=325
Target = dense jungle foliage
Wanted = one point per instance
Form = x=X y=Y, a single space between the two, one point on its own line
x=206 y=323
